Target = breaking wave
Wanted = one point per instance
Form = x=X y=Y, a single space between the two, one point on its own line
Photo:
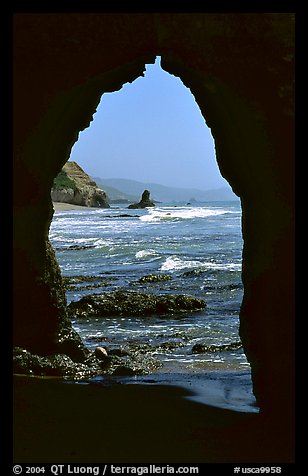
x=181 y=213
x=146 y=253
x=174 y=263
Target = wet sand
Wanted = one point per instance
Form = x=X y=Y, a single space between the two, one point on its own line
x=62 y=422
x=60 y=206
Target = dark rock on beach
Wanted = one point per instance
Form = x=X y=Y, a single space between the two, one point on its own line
x=149 y=348
x=202 y=349
x=80 y=247
x=86 y=282
x=77 y=279
x=128 y=303
x=144 y=202
x=125 y=363
x=119 y=352
x=122 y=215
x=57 y=365
x=70 y=344
x=124 y=371
x=99 y=362
x=101 y=353
x=193 y=272
x=152 y=278
x=74 y=247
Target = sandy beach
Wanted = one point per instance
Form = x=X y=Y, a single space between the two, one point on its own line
x=58 y=421
x=60 y=206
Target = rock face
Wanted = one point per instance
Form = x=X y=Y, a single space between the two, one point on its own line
x=144 y=202
x=73 y=185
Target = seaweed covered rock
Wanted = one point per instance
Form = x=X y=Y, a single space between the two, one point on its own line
x=128 y=365
x=98 y=362
x=202 y=349
x=153 y=278
x=56 y=365
x=81 y=282
x=128 y=303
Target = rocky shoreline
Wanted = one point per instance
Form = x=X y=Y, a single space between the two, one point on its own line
x=99 y=362
x=73 y=360
x=125 y=361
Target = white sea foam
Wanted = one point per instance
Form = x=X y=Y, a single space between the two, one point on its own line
x=181 y=213
x=174 y=263
x=68 y=241
x=83 y=240
x=145 y=253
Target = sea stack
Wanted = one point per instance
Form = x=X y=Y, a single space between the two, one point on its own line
x=144 y=202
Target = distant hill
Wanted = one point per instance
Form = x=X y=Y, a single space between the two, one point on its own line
x=130 y=190
x=115 y=195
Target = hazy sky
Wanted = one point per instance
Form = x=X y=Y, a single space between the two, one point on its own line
x=151 y=131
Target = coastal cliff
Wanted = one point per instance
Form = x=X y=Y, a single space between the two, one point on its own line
x=72 y=185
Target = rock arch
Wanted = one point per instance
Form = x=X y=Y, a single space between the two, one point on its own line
x=239 y=68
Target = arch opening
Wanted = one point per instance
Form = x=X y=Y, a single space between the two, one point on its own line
x=182 y=246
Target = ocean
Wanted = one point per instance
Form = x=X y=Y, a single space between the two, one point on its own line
x=198 y=249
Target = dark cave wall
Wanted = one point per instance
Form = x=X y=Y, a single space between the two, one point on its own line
x=248 y=141
x=239 y=67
